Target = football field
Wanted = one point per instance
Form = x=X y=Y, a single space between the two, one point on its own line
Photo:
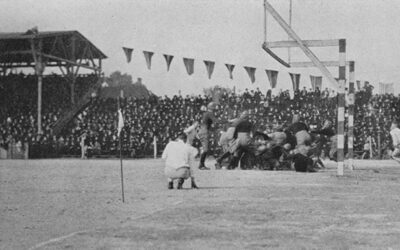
x=76 y=204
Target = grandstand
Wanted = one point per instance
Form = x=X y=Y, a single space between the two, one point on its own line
x=68 y=51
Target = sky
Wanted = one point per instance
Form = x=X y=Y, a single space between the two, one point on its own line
x=224 y=31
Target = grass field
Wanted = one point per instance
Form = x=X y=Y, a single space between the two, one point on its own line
x=76 y=204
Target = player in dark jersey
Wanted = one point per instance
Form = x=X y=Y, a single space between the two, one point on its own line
x=242 y=133
x=203 y=132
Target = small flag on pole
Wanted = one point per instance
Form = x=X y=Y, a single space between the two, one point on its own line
x=128 y=54
x=120 y=122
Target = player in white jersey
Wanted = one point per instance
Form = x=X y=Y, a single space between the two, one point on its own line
x=179 y=160
x=395 y=134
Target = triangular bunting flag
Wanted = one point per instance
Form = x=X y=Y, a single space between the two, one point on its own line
x=316 y=82
x=168 y=60
x=251 y=72
x=312 y=78
x=295 y=80
x=210 y=68
x=128 y=54
x=189 y=65
x=230 y=68
x=147 y=56
x=272 y=77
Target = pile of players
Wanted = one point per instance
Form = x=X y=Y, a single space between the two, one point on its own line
x=294 y=147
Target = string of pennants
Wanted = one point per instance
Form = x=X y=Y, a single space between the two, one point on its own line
x=316 y=81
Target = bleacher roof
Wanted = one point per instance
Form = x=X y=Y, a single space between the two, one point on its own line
x=16 y=47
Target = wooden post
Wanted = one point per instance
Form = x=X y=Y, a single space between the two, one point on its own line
x=370 y=147
x=72 y=72
x=379 y=141
x=341 y=105
x=290 y=25
x=351 y=98
x=155 y=147
x=39 y=68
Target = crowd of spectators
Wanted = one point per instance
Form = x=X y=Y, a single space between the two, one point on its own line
x=164 y=117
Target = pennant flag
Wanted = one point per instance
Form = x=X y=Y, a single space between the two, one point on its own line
x=316 y=82
x=251 y=72
x=128 y=54
x=168 y=60
x=272 y=77
x=230 y=68
x=210 y=68
x=189 y=65
x=295 y=80
x=147 y=56
x=120 y=122
x=386 y=88
x=358 y=85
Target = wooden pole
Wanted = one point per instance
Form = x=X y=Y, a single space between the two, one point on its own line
x=120 y=158
x=290 y=25
x=72 y=71
x=370 y=147
x=341 y=105
x=350 y=138
x=265 y=22
x=39 y=72
x=155 y=147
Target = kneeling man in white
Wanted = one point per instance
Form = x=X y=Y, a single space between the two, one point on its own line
x=179 y=161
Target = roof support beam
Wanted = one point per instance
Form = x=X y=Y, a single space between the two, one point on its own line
x=308 y=43
x=68 y=61
x=300 y=43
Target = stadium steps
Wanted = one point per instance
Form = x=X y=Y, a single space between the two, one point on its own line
x=82 y=103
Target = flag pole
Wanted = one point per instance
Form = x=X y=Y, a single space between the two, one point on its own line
x=120 y=155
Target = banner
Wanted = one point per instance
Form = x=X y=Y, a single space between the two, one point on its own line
x=295 y=81
x=168 y=60
x=128 y=54
x=189 y=65
x=272 y=77
x=316 y=82
x=147 y=56
x=210 y=68
x=251 y=72
x=230 y=68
